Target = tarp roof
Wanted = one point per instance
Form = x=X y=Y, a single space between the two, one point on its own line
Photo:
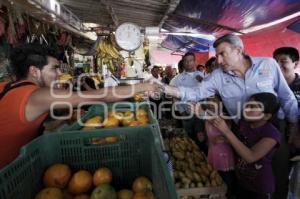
x=219 y=17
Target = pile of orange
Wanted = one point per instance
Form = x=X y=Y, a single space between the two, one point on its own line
x=117 y=119
x=60 y=183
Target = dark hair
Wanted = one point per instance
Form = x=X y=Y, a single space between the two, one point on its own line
x=25 y=55
x=180 y=66
x=293 y=53
x=211 y=64
x=155 y=67
x=200 y=66
x=269 y=101
x=188 y=54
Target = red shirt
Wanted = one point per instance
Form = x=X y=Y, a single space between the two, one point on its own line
x=15 y=130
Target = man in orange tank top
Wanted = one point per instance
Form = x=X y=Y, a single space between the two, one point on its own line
x=25 y=104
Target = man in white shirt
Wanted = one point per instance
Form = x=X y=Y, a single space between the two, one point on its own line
x=190 y=77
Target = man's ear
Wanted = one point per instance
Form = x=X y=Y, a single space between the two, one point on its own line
x=33 y=71
x=240 y=50
x=296 y=64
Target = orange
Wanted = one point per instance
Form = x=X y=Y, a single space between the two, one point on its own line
x=117 y=115
x=81 y=182
x=82 y=196
x=134 y=123
x=126 y=122
x=141 y=184
x=93 y=122
x=138 y=98
x=111 y=122
x=102 y=176
x=141 y=112
x=125 y=194
x=111 y=139
x=128 y=115
x=144 y=195
x=143 y=120
x=50 y=193
x=66 y=194
x=57 y=175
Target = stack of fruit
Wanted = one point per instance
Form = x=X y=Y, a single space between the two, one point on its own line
x=191 y=169
x=117 y=119
x=61 y=184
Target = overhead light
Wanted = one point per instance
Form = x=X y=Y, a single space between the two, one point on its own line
x=267 y=25
x=198 y=35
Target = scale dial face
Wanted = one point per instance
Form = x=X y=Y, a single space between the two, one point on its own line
x=128 y=36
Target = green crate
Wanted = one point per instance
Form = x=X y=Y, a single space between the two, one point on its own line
x=137 y=153
x=119 y=106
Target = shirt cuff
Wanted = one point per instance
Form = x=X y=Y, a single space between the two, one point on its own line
x=182 y=91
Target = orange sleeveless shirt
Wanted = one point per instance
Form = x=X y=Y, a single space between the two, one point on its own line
x=15 y=130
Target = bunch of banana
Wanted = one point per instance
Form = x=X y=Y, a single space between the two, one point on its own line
x=107 y=49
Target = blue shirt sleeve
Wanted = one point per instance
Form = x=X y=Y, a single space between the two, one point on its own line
x=285 y=95
x=207 y=88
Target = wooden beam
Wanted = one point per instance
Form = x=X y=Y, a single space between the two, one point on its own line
x=172 y=6
x=111 y=10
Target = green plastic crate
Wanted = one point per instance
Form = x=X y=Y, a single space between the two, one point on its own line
x=120 y=106
x=137 y=153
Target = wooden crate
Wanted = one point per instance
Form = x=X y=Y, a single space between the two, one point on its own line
x=204 y=192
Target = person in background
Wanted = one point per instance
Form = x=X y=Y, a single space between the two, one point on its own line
x=238 y=77
x=211 y=65
x=174 y=70
x=155 y=71
x=257 y=144
x=161 y=72
x=288 y=59
x=220 y=154
x=168 y=75
x=201 y=68
x=26 y=102
x=190 y=77
x=166 y=80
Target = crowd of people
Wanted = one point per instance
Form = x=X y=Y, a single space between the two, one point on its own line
x=261 y=98
x=242 y=111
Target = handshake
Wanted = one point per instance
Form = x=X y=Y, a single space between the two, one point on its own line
x=156 y=87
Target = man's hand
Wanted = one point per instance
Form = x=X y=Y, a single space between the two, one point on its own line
x=152 y=86
x=199 y=78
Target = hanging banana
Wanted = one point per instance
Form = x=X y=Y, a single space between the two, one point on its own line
x=109 y=54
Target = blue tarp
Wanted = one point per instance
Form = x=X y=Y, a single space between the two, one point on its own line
x=186 y=44
x=222 y=16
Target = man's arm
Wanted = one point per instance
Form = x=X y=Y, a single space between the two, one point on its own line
x=41 y=100
x=207 y=88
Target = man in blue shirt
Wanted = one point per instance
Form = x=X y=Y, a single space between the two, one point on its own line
x=238 y=77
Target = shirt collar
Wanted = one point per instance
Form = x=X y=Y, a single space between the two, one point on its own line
x=297 y=78
x=253 y=62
